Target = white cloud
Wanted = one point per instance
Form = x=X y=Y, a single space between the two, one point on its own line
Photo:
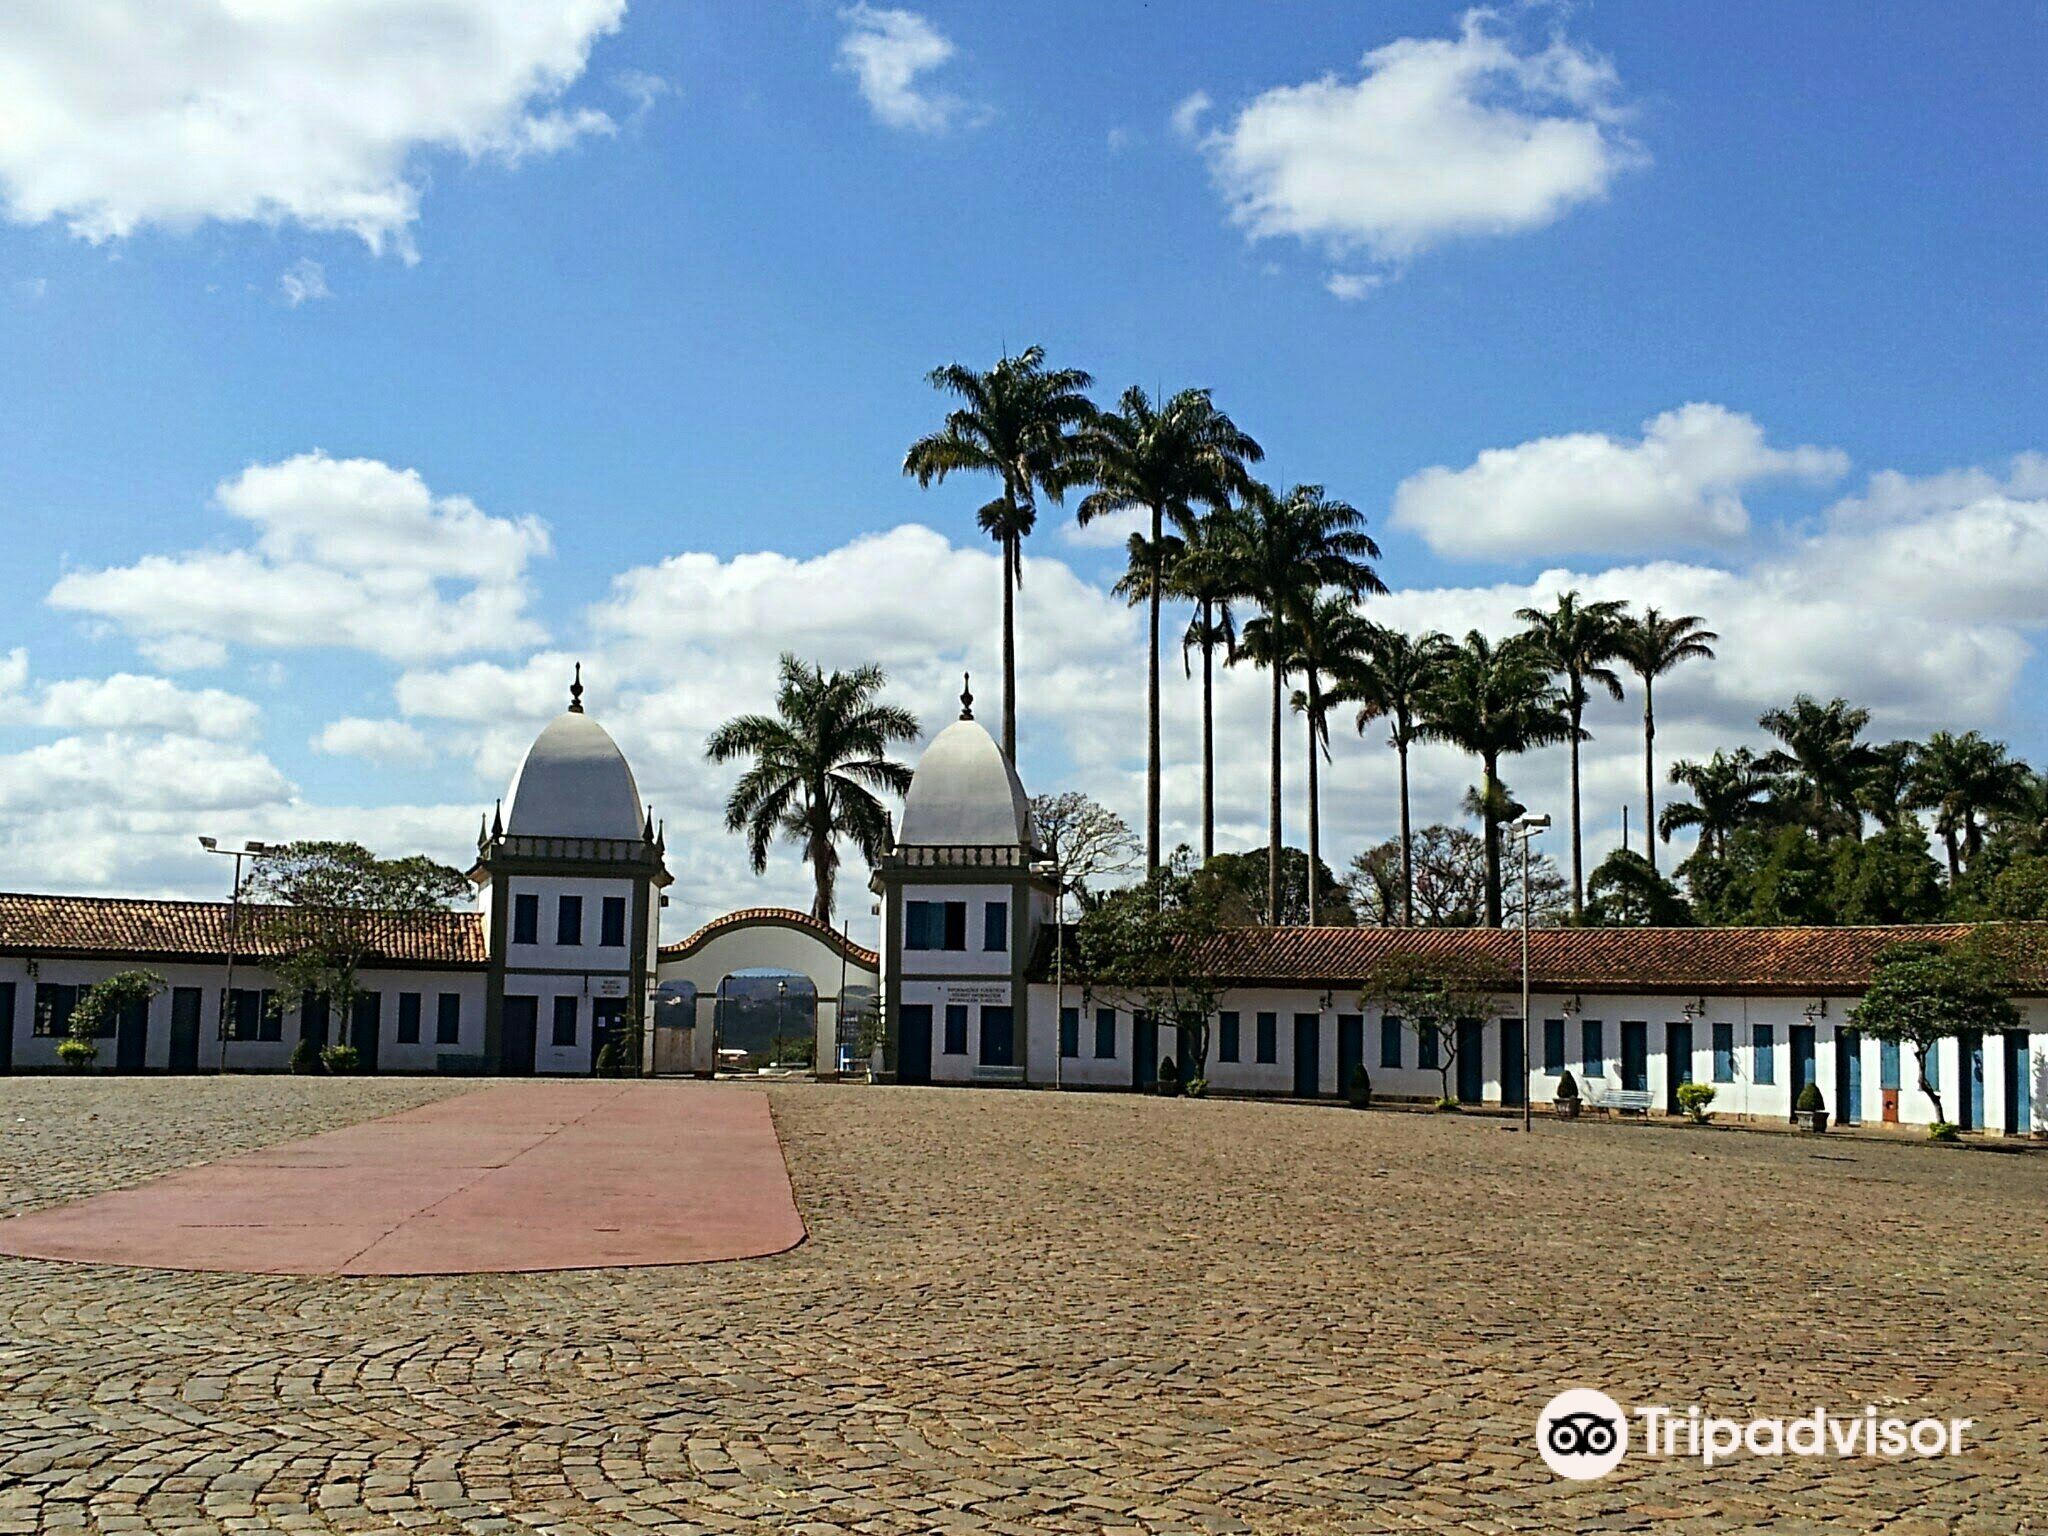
x=376 y=741
x=1677 y=487
x=888 y=52
x=183 y=653
x=304 y=279
x=174 y=774
x=1436 y=138
x=126 y=113
x=348 y=552
x=1353 y=286
x=1188 y=112
x=129 y=702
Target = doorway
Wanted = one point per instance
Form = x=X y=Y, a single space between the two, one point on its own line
x=6 y=1027
x=1144 y=1050
x=998 y=1037
x=607 y=1026
x=185 y=1003
x=366 y=1029
x=1350 y=1048
x=1848 y=1078
x=1471 y=1061
x=1970 y=1092
x=131 y=1037
x=516 y=1036
x=1308 y=1054
x=1514 y=1074
x=1802 y=1065
x=914 y=1043
x=1635 y=1056
x=1677 y=1063
x=2019 y=1087
x=1888 y=1080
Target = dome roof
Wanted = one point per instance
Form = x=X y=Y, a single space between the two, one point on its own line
x=965 y=794
x=574 y=783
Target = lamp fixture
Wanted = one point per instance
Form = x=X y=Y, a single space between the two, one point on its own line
x=1695 y=1007
x=1817 y=1009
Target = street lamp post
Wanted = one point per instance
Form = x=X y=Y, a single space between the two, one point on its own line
x=1051 y=870
x=237 y=852
x=1526 y=827
x=781 y=998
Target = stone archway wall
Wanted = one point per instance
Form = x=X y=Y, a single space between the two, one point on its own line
x=769 y=938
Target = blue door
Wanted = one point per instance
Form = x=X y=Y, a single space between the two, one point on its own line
x=998 y=1038
x=1677 y=1063
x=1350 y=1048
x=1848 y=1077
x=1471 y=1061
x=1802 y=1061
x=2019 y=1091
x=1970 y=1092
x=1514 y=1078
x=1308 y=1054
x=1635 y=1056
x=1144 y=1050
x=914 y=1043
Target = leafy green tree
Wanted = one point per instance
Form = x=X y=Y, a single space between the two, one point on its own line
x=1239 y=882
x=1967 y=782
x=1819 y=767
x=1494 y=701
x=2014 y=891
x=1728 y=794
x=1922 y=994
x=1432 y=994
x=1289 y=549
x=1786 y=876
x=1171 y=461
x=1146 y=949
x=326 y=908
x=99 y=1009
x=1388 y=676
x=1019 y=421
x=1625 y=891
x=1653 y=644
x=816 y=766
x=1578 y=640
x=1206 y=574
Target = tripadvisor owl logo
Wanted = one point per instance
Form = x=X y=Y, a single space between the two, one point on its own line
x=1583 y=1434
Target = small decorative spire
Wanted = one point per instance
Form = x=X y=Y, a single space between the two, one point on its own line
x=647 y=830
x=576 y=692
x=498 y=822
x=966 y=696
x=660 y=836
x=483 y=829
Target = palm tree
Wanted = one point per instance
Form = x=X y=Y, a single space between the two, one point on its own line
x=1170 y=461
x=1652 y=645
x=1890 y=789
x=1962 y=779
x=1388 y=678
x=1728 y=790
x=1206 y=575
x=1288 y=549
x=1329 y=633
x=1578 y=640
x=1018 y=421
x=817 y=762
x=1494 y=701
x=1821 y=764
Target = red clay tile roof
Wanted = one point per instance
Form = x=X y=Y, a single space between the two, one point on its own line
x=198 y=930
x=1780 y=960
x=751 y=917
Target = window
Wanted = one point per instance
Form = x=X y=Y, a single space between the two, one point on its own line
x=1390 y=1041
x=269 y=1019
x=956 y=1029
x=1724 y=1053
x=1105 y=1034
x=569 y=920
x=448 y=1022
x=1553 y=1047
x=250 y=1016
x=935 y=925
x=1427 y=1041
x=1226 y=1037
x=995 y=926
x=1269 y=1038
x=1763 y=1055
x=1594 y=1053
x=54 y=1004
x=1070 y=1032
x=565 y=1021
x=611 y=923
x=525 y=919
x=1888 y=1064
x=408 y=1018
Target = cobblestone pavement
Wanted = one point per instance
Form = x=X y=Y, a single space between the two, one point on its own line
x=1028 y=1312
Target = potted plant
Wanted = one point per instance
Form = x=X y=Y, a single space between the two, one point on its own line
x=1566 y=1099
x=341 y=1059
x=1168 y=1085
x=306 y=1060
x=1944 y=1132
x=1694 y=1098
x=1359 y=1090
x=1813 y=1109
x=77 y=1054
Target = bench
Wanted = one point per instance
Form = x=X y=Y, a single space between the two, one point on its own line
x=1617 y=1101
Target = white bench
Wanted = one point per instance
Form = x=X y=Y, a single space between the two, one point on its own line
x=1617 y=1101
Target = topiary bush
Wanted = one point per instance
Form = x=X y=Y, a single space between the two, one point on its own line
x=1810 y=1099
x=1169 y=1078
x=1941 y=1130
x=1567 y=1086
x=341 y=1059
x=306 y=1060
x=1359 y=1090
x=1694 y=1098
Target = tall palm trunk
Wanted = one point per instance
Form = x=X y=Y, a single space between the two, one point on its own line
x=1208 y=739
x=1152 y=708
x=1407 y=843
x=1578 y=843
x=1955 y=869
x=1010 y=563
x=1273 y=807
x=1649 y=775
x=1315 y=836
x=824 y=859
x=1488 y=765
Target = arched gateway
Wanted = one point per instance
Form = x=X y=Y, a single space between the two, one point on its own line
x=758 y=939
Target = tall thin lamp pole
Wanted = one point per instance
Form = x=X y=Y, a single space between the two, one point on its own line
x=239 y=852
x=1526 y=827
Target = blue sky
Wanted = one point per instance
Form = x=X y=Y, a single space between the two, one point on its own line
x=696 y=327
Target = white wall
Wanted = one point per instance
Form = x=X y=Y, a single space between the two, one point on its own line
x=973 y=960
x=589 y=955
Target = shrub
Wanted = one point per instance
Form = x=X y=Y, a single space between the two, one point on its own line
x=77 y=1054
x=306 y=1059
x=1169 y=1078
x=1567 y=1087
x=1359 y=1089
x=1197 y=1088
x=1810 y=1099
x=1694 y=1098
x=1941 y=1130
x=608 y=1059
x=341 y=1058
x=1446 y=1106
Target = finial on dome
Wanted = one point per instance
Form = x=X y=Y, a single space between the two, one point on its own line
x=647 y=828
x=966 y=696
x=498 y=822
x=576 y=692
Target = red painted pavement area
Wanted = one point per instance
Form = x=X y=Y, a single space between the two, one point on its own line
x=542 y=1175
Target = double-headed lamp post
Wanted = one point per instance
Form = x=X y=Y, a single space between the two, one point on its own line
x=238 y=852
x=1525 y=827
